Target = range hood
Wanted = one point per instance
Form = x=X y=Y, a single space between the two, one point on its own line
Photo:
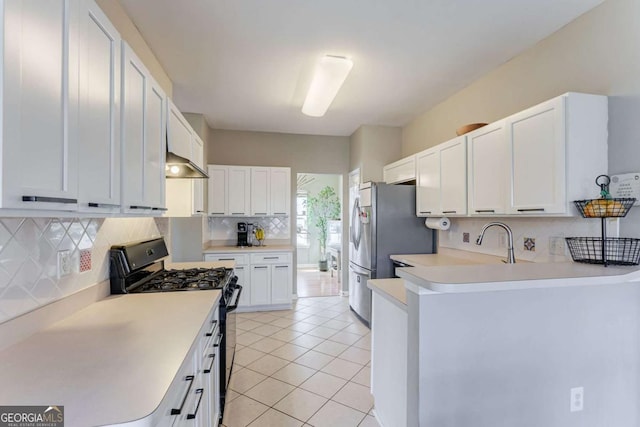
x=181 y=167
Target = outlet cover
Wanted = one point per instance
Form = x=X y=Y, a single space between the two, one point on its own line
x=465 y=237
x=557 y=245
x=64 y=263
x=85 y=260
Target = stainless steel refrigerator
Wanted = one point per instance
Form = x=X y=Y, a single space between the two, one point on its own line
x=383 y=222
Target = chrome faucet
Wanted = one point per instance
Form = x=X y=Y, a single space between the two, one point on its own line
x=511 y=258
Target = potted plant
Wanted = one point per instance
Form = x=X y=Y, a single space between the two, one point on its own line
x=323 y=207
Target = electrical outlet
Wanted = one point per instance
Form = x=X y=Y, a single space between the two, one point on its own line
x=577 y=399
x=465 y=237
x=64 y=263
x=557 y=245
x=502 y=240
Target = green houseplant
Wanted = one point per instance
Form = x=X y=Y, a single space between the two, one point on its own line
x=323 y=207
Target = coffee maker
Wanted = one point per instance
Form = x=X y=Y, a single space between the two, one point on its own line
x=242 y=234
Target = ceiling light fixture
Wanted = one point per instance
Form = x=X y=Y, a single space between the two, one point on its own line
x=331 y=72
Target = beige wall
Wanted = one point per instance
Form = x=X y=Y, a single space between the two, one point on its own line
x=372 y=147
x=597 y=53
x=131 y=35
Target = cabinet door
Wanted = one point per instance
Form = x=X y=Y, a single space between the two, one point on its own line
x=260 y=185
x=40 y=95
x=280 y=284
x=488 y=169
x=244 y=280
x=239 y=190
x=280 y=191
x=179 y=132
x=428 y=183
x=453 y=177
x=401 y=171
x=155 y=147
x=197 y=151
x=99 y=118
x=260 y=285
x=537 y=145
x=217 y=190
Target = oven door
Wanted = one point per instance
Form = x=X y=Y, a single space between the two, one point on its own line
x=227 y=352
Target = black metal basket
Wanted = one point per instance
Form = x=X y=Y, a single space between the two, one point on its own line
x=618 y=250
x=605 y=208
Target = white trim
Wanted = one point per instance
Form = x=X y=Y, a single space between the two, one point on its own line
x=294 y=297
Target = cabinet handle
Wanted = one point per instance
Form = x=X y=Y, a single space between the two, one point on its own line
x=218 y=340
x=226 y=259
x=237 y=213
x=239 y=268
x=213 y=358
x=160 y=209
x=259 y=213
x=531 y=210
x=199 y=211
x=449 y=212
x=213 y=328
x=177 y=411
x=279 y=213
x=217 y=213
x=485 y=210
x=191 y=416
x=140 y=207
x=48 y=199
x=282 y=266
x=264 y=266
x=103 y=205
x=271 y=257
x=425 y=212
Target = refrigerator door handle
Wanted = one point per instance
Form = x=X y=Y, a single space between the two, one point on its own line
x=359 y=270
x=355 y=224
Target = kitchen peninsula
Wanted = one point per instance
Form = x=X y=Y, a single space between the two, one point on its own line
x=505 y=345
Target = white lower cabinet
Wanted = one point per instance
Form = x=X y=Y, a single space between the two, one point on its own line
x=266 y=278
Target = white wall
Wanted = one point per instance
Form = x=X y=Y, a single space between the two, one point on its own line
x=371 y=148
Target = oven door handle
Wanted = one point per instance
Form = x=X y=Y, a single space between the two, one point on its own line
x=233 y=306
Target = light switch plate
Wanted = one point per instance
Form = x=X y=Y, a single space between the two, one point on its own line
x=625 y=185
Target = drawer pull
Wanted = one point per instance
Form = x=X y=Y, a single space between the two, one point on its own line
x=226 y=259
x=177 y=411
x=237 y=213
x=48 y=199
x=160 y=209
x=279 y=213
x=260 y=266
x=485 y=210
x=194 y=414
x=102 y=205
x=427 y=212
x=213 y=359
x=271 y=257
x=140 y=207
x=217 y=213
x=449 y=212
x=531 y=210
x=213 y=328
x=282 y=266
x=260 y=213
x=218 y=340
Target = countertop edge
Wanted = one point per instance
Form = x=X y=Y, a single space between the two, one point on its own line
x=390 y=289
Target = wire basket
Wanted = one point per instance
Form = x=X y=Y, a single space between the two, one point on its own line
x=618 y=250
x=604 y=208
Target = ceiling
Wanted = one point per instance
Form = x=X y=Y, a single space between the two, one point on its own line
x=247 y=64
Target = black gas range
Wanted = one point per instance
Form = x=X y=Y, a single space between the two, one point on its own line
x=138 y=267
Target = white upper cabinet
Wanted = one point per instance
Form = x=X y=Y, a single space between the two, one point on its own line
x=404 y=170
x=197 y=150
x=280 y=191
x=99 y=113
x=40 y=99
x=488 y=169
x=557 y=148
x=179 y=132
x=453 y=177
x=428 y=182
x=442 y=179
x=239 y=190
x=217 y=190
x=143 y=138
x=260 y=185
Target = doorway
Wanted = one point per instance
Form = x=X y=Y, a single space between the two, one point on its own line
x=318 y=234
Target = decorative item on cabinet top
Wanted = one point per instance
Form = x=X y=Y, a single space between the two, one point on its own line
x=469 y=128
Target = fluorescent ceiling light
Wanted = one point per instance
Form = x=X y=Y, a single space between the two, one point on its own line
x=330 y=73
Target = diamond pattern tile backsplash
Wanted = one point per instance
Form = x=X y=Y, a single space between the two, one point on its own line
x=29 y=256
x=225 y=228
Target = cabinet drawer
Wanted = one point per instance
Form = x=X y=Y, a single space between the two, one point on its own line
x=240 y=259
x=271 y=258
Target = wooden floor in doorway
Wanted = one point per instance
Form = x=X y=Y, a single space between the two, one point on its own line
x=315 y=283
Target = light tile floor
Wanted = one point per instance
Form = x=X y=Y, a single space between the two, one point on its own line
x=309 y=366
x=312 y=282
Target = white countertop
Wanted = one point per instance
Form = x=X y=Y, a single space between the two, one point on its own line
x=109 y=363
x=498 y=277
x=394 y=288
x=247 y=249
